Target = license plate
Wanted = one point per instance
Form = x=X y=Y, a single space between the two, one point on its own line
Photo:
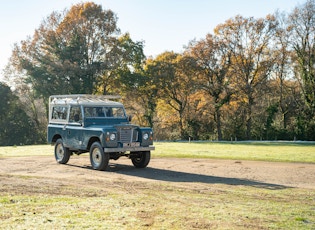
x=132 y=144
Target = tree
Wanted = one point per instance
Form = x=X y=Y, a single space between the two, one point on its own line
x=142 y=97
x=69 y=52
x=283 y=70
x=16 y=127
x=302 y=29
x=213 y=64
x=175 y=82
x=130 y=79
x=126 y=63
x=248 y=40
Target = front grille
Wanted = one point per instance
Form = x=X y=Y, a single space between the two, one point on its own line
x=127 y=135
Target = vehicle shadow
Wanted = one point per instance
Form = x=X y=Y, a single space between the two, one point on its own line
x=177 y=176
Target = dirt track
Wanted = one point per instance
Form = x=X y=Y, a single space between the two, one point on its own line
x=29 y=175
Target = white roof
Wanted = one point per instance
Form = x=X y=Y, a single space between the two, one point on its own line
x=84 y=99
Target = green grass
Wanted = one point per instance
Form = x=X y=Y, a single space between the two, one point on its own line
x=26 y=150
x=163 y=206
x=261 y=151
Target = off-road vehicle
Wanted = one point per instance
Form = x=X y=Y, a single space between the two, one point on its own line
x=98 y=125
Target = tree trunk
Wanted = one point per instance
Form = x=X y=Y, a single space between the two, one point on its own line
x=218 y=121
x=249 y=118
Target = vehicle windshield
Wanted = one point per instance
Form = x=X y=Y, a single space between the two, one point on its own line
x=104 y=111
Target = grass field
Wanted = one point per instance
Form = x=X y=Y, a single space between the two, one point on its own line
x=262 y=151
x=126 y=204
x=161 y=206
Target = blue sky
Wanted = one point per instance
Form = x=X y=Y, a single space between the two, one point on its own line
x=161 y=24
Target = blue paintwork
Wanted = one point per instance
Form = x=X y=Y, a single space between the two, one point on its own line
x=78 y=136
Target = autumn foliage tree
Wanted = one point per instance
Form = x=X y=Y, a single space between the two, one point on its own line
x=213 y=63
x=249 y=44
x=76 y=51
x=174 y=72
x=69 y=51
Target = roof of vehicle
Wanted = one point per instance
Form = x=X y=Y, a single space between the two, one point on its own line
x=84 y=99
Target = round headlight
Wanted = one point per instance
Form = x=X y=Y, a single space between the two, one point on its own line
x=112 y=137
x=145 y=136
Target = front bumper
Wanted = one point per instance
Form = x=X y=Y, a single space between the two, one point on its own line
x=131 y=149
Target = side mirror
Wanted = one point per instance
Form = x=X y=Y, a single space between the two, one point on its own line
x=129 y=118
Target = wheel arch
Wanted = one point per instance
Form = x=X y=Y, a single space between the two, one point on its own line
x=55 y=138
x=91 y=141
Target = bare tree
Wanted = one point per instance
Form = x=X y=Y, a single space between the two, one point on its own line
x=302 y=30
x=283 y=70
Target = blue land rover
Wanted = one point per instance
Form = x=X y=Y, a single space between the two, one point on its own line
x=98 y=125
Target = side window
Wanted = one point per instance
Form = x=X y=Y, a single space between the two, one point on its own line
x=118 y=112
x=59 y=113
x=94 y=112
x=108 y=112
x=88 y=112
x=100 y=111
x=75 y=114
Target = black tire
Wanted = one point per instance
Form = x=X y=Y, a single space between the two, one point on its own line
x=99 y=159
x=62 y=154
x=142 y=160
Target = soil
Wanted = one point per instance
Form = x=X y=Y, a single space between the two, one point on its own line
x=31 y=175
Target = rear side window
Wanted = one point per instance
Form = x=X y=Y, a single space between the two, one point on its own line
x=59 y=113
x=117 y=112
x=104 y=111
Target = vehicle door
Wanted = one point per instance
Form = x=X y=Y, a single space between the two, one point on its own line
x=58 y=121
x=74 y=128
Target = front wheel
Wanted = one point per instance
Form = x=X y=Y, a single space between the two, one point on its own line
x=62 y=154
x=99 y=159
x=142 y=159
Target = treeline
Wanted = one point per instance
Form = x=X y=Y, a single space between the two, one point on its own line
x=252 y=79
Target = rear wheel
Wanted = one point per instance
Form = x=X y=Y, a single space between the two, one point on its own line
x=142 y=159
x=62 y=154
x=99 y=159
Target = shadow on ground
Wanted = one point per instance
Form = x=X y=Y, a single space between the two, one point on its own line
x=177 y=176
